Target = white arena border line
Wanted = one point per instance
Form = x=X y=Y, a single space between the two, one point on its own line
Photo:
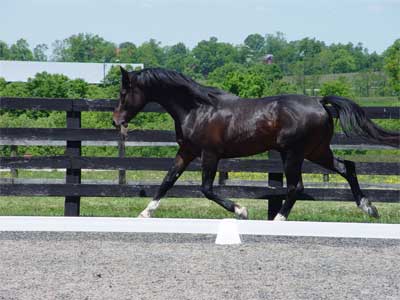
x=228 y=230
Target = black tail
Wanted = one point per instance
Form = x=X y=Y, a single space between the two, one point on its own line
x=354 y=121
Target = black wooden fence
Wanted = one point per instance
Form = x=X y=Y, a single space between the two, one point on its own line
x=74 y=162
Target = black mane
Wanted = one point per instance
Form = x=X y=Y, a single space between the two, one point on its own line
x=157 y=77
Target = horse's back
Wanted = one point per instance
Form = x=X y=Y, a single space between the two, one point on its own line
x=293 y=98
x=303 y=120
x=282 y=107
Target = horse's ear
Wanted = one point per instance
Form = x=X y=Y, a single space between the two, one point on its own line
x=124 y=77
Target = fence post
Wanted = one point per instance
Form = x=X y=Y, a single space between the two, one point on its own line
x=72 y=203
x=275 y=180
x=121 y=154
x=325 y=177
x=222 y=178
x=14 y=153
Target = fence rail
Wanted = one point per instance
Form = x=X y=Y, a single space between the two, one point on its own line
x=89 y=134
x=189 y=190
x=160 y=164
x=73 y=162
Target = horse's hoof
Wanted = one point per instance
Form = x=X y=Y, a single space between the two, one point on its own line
x=367 y=207
x=144 y=214
x=279 y=217
x=241 y=212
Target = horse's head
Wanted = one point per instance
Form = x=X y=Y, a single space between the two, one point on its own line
x=131 y=100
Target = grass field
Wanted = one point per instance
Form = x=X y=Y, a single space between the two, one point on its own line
x=378 y=101
x=194 y=208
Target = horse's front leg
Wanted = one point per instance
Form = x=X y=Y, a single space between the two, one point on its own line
x=210 y=164
x=182 y=160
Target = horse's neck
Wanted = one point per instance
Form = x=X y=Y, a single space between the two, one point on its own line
x=178 y=107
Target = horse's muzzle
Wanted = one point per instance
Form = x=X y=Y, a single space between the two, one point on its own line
x=122 y=128
x=118 y=124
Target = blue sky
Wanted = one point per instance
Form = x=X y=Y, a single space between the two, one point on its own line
x=374 y=23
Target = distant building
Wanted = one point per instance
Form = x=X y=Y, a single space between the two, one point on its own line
x=90 y=72
x=268 y=59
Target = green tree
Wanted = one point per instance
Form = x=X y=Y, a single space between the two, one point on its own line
x=324 y=59
x=375 y=62
x=191 y=68
x=246 y=85
x=212 y=54
x=309 y=47
x=284 y=53
x=13 y=89
x=48 y=85
x=218 y=76
x=77 y=89
x=127 y=53
x=343 y=62
x=150 y=54
x=84 y=47
x=252 y=82
x=176 y=56
x=392 y=66
x=3 y=84
x=255 y=44
x=308 y=52
x=39 y=52
x=56 y=86
x=20 y=51
x=360 y=55
x=339 y=87
x=4 y=51
x=58 y=53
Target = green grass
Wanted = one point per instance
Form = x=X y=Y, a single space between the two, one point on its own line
x=188 y=176
x=194 y=208
x=378 y=101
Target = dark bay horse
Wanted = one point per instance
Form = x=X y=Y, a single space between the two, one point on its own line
x=213 y=124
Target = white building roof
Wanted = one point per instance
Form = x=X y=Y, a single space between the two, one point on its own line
x=90 y=72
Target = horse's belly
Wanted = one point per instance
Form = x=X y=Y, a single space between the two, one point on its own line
x=246 y=147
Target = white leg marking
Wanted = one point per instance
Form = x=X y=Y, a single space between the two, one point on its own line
x=149 y=210
x=279 y=217
x=367 y=207
x=241 y=212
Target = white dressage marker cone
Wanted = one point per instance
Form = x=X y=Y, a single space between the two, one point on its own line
x=228 y=233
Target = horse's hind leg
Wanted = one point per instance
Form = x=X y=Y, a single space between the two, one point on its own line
x=325 y=158
x=182 y=160
x=209 y=164
x=300 y=184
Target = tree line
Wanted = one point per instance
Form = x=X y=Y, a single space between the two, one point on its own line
x=298 y=66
